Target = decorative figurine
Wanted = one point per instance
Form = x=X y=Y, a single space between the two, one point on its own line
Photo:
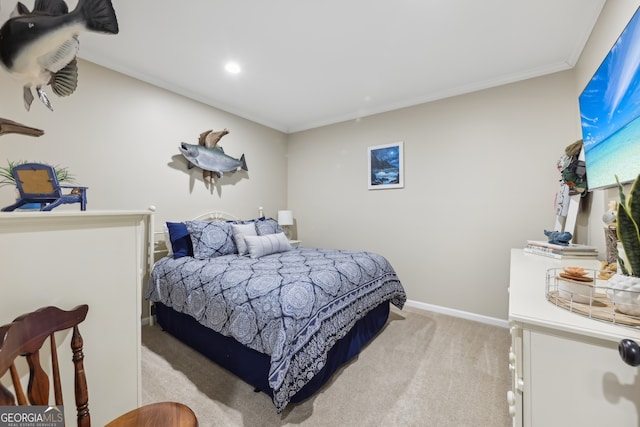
x=572 y=169
x=39 y=48
x=610 y=216
x=558 y=237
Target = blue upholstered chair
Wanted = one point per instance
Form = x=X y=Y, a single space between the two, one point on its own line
x=38 y=183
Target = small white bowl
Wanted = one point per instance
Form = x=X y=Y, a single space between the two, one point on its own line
x=576 y=291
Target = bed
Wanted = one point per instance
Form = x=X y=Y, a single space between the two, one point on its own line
x=281 y=318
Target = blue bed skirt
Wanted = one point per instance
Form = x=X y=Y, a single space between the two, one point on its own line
x=252 y=366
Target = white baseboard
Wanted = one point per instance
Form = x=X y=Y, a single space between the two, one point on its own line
x=458 y=313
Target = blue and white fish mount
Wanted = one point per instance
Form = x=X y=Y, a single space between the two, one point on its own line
x=39 y=48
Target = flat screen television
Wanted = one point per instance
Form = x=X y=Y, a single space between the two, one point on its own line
x=610 y=113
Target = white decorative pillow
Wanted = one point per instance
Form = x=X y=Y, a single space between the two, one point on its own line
x=239 y=233
x=167 y=241
x=268 y=244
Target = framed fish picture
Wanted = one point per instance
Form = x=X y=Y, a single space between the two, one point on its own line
x=386 y=166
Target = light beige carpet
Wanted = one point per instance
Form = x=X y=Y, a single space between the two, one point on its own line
x=423 y=369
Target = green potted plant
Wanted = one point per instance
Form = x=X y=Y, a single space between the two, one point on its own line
x=6 y=173
x=624 y=286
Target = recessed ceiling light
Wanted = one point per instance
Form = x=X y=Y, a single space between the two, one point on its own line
x=232 y=67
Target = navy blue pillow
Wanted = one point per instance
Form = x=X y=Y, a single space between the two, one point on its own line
x=180 y=239
x=266 y=226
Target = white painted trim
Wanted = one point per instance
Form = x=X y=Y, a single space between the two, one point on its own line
x=458 y=313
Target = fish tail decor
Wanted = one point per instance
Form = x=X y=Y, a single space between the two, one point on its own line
x=209 y=139
x=39 y=47
x=99 y=16
x=9 y=126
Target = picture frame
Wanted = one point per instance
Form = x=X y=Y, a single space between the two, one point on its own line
x=386 y=166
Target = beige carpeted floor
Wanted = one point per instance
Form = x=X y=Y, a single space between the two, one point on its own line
x=423 y=369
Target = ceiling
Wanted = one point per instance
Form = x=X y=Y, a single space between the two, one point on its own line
x=311 y=63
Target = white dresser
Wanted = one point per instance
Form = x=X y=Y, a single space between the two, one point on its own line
x=566 y=368
x=67 y=258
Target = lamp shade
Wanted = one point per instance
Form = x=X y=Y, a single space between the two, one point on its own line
x=285 y=217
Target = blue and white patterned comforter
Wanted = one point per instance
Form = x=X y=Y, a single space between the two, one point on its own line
x=292 y=306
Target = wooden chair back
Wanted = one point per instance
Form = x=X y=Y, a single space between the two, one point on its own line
x=25 y=337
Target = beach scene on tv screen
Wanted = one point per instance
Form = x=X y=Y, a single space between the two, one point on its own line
x=610 y=113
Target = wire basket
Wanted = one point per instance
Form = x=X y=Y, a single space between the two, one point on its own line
x=590 y=296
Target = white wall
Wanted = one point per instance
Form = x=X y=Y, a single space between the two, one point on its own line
x=120 y=138
x=480 y=179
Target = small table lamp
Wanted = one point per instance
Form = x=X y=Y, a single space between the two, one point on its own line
x=285 y=219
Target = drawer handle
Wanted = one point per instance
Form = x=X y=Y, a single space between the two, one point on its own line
x=629 y=352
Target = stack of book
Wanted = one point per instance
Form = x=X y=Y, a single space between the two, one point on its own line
x=573 y=250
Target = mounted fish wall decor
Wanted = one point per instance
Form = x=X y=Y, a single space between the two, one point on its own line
x=211 y=158
x=9 y=126
x=39 y=48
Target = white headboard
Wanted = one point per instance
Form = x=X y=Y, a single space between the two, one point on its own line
x=215 y=216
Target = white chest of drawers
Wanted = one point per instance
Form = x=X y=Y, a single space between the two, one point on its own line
x=565 y=367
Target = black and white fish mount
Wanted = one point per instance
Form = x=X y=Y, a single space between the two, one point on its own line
x=39 y=47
